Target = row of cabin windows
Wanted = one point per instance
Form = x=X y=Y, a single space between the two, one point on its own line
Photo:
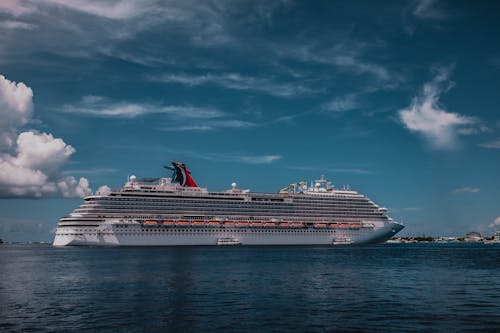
x=266 y=202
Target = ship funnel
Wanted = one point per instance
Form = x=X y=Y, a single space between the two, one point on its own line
x=182 y=175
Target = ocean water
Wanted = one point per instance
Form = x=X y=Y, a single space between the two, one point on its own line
x=385 y=288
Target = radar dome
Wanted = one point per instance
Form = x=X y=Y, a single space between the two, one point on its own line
x=132 y=178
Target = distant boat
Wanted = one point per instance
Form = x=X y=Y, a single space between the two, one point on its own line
x=473 y=237
x=228 y=241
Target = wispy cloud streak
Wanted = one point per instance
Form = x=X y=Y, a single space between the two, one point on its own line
x=467 y=189
x=237 y=81
x=105 y=107
x=359 y=171
x=493 y=144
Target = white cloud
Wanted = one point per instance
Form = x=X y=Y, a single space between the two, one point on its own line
x=473 y=130
x=425 y=115
x=180 y=117
x=117 y=9
x=94 y=28
x=16 y=107
x=11 y=24
x=41 y=151
x=16 y=7
x=94 y=171
x=240 y=158
x=111 y=9
x=349 y=56
x=103 y=190
x=341 y=104
x=71 y=188
x=496 y=223
x=429 y=10
x=237 y=81
x=34 y=170
x=210 y=125
x=30 y=162
x=494 y=144
x=330 y=169
x=104 y=107
x=467 y=189
x=266 y=159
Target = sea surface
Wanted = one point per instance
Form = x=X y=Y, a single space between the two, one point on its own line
x=384 y=288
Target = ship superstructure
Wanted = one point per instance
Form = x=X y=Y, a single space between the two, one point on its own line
x=176 y=211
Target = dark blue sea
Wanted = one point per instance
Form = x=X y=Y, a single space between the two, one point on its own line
x=384 y=288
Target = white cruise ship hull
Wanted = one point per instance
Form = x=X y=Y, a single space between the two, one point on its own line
x=111 y=235
x=175 y=211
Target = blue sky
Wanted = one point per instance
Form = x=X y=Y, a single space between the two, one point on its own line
x=397 y=99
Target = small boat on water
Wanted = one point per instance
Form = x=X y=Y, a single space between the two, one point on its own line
x=228 y=241
x=342 y=241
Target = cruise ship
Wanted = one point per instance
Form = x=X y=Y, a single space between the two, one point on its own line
x=176 y=211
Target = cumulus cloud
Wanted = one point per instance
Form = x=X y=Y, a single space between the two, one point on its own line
x=30 y=161
x=103 y=190
x=496 y=223
x=467 y=189
x=425 y=116
x=16 y=107
x=71 y=188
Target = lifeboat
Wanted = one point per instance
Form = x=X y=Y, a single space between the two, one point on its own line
x=198 y=222
x=242 y=223
x=183 y=223
x=213 y=223
x=167 y=222
x=256 y=224
x=355 y=225
x=150 y=222
x=320 y=225
x=284 y=224
x=333 y=225
x=344 y=225
x=269 y=224
x=296 y=224
x=229 y=223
